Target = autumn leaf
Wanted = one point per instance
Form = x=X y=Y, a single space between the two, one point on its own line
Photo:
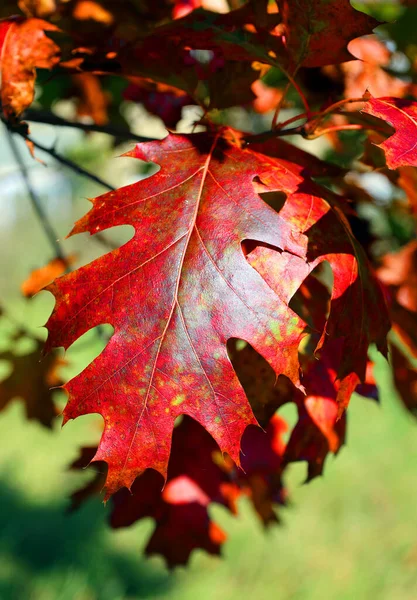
x=267 y=97
x=262 y=468
x=25 y=48
x=398 y=273
x=159 y=99
x=31 y=379
x=308 y=443
x=354 y=283
x=184 y=7
x=39 y=278
x=236 y=39
x=244 y=34
x=92 y=100
x=317 y=32
x=319 y=429
x=369 y=389
x=180 y=509
x=186 y=271
x=88 y=10
x=198 y=476
x=405 y=378
x=37 y=8
x=370 y=70
x=401 y=148
x=407 y=181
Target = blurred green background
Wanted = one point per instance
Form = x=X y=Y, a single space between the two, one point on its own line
x=350 y=535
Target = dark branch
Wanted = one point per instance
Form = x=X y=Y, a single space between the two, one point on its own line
x=38 y=116
x=70 y=164
x=274 y=133
x=22 y=129
x=36 y=203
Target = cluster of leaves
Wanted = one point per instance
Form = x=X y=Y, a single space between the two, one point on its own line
x=251 y=281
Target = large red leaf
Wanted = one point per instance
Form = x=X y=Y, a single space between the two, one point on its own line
x=401 y=148
x=175 y=294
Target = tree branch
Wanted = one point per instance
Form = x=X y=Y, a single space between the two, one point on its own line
x=36 y=203
x=70 y=164
x=22 y=130
x=49 y=118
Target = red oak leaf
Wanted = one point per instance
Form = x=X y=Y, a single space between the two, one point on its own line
x=175 y=294
x=92 y=100
x=401 y=148
x=354 y=284
x=311 y=166
x=319 y=430
x=25 y=48
x=262 y=464
x=312 y=444
x=317 y=32
x=244 y=34
x=184 y=7
x=197 y=477
x=179 y=509
x=182 y=522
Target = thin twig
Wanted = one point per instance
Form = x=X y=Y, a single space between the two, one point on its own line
x=70 y=164
x=350 y=127
x=36 y=203
x=294 y=83
x=293 y=120
x=49 y=118
x=23 y=132
x=333 y=108
x=314 y=118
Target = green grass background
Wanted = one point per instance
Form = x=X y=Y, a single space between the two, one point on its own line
x=350 y=535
